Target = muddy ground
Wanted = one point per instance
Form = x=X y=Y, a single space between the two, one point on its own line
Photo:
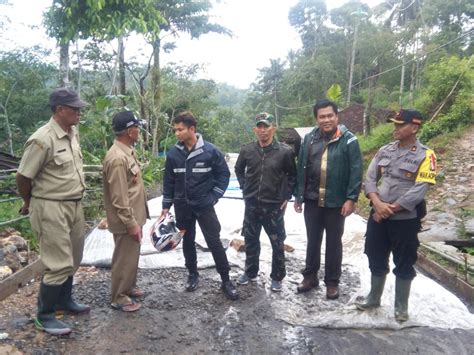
x=173 y=321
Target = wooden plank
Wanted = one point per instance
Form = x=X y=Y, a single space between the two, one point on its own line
x=446 y=278
x=20 y=278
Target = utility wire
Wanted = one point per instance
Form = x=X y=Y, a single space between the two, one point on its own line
x=388 y=70
x=414 y=58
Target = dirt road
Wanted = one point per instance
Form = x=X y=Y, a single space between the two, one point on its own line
x=173 y=321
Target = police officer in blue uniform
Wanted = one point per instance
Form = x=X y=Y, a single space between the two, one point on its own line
x=397 y=181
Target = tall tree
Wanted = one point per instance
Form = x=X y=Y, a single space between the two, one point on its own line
x=270 y=81
x=404 y=17
x=182 y=16
x=70 y=20
x=308 y=17
x=23 y=78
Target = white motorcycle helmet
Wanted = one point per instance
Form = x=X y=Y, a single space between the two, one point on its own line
x=165 y=235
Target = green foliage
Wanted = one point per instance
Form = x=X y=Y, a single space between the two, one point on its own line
x=334 y=93
x=188 y=16
x=229 y=96
x=153 y=168
x=68 y=20
x=451 y=81
x=24 y=91
x=379 y=136
x=96 y=128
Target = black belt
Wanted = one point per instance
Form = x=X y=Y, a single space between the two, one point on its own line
x=65 y=200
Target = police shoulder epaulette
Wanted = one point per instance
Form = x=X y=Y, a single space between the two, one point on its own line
x=424 y=147
x=390 y=145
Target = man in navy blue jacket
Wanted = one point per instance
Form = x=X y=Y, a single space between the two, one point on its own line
x=196 y=176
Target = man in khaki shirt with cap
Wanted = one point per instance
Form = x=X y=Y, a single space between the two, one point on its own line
x=50 y=180
x=125 y=204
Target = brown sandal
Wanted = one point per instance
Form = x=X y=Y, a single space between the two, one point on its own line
x=129 y=307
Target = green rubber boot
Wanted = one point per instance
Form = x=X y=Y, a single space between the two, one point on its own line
x=377 y=284
x=402 y=292
x=46 y=317
x=66 y=302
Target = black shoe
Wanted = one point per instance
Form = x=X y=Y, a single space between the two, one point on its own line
x=230 y=291
x=193 y=282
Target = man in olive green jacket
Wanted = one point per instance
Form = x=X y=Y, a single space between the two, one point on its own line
x=328 y=182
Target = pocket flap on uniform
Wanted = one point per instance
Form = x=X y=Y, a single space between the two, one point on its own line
x=135 y=169
x=62 y=158
x=412 y=168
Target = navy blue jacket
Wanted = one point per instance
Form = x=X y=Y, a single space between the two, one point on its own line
x=197 y=178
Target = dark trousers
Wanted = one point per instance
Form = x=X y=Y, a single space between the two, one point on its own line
x=317 y=220
x=397 y=236
x=270 y=216
x=186 y=219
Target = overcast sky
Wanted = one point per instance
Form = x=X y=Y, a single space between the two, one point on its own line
x=261 y=32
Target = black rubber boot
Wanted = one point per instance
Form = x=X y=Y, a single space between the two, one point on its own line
x=377 y=283
x=66 y=303
x=402 y=292
x=46 y=317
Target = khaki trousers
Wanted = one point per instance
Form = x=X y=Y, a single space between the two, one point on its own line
x=124 y=268
x=59 y=227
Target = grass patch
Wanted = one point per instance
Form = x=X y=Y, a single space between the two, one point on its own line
x=380 y=135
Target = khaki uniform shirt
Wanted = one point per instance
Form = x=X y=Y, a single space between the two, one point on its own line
x=53 y=161
x=124 y=191
x=402 y=175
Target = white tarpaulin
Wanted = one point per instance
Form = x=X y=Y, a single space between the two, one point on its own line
x=430 y=304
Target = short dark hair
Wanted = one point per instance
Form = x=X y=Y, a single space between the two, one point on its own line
x=187 y=118
x=323 y=104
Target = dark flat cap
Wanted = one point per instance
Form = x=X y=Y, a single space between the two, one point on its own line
x=66 y=97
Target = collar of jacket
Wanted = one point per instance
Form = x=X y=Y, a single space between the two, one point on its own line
x=199 y=143
x=340 y=131
x=60 y=133
x=275 y=144
x=125 y=148
x=413 y=149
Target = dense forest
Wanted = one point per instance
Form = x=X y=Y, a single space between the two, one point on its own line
x=400 y=53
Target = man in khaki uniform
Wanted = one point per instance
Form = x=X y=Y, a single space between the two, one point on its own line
x=125 y=204
x=50 y=180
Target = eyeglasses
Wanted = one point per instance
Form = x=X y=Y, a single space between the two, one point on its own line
x=75 y=109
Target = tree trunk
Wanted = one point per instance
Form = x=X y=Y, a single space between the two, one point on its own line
x=351 y=68
x=412 y=83
x=402 y=79
x=7 y=121
x=156 y=91
x=64 y=65
x=275 y=98
x=121 y=63
x=79 y=68
x=370 y=101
